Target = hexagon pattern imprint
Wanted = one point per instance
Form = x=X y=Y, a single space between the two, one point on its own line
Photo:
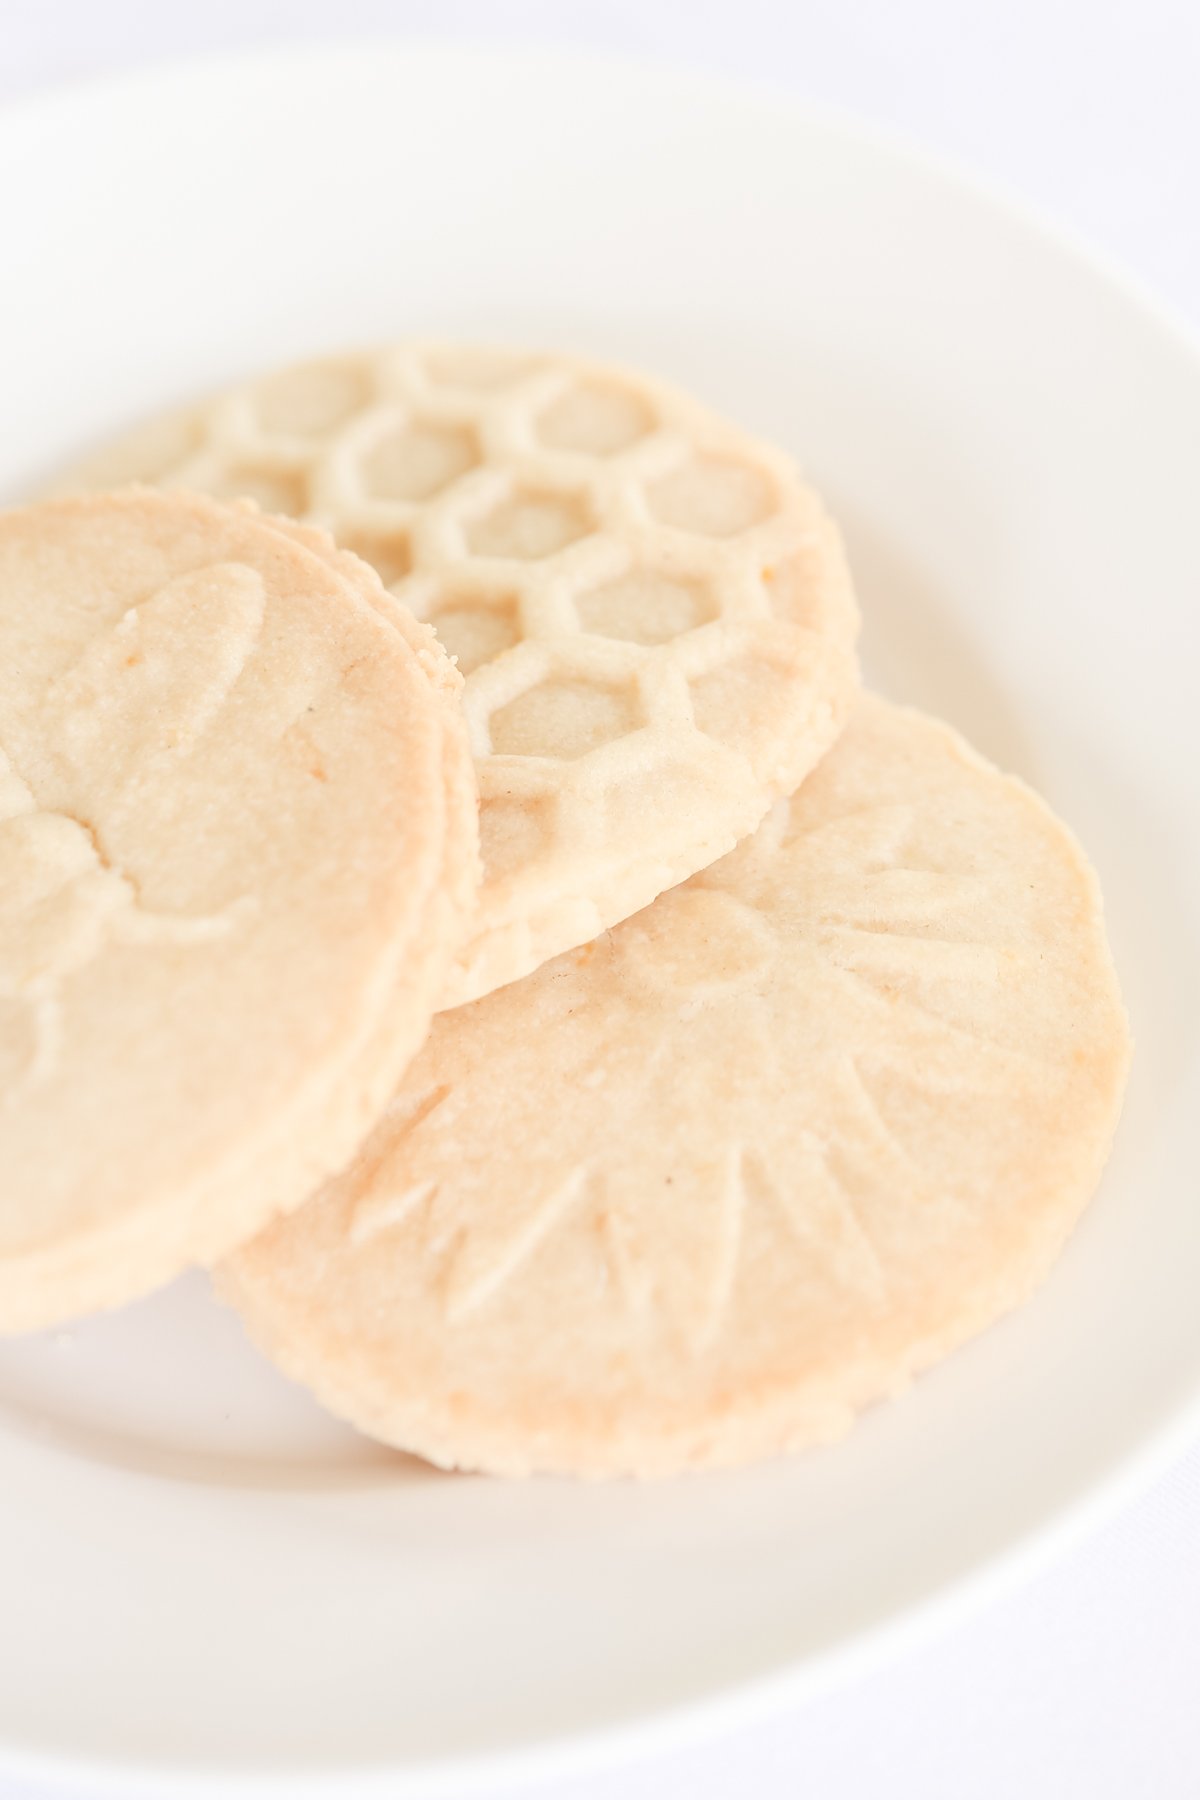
x=651 y=610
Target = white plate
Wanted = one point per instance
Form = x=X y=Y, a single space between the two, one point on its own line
x=199 y=1575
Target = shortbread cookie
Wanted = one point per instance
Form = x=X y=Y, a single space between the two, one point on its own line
x=651 y=610
x=701 y=1190
x=237 y=851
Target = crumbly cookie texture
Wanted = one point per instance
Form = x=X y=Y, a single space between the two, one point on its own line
x=701 y=1190
x=651 y=609
x=237 y=851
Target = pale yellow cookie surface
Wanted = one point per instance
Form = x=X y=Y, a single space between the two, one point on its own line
x=237 y=850
x=700 y=1191
x=651 y=610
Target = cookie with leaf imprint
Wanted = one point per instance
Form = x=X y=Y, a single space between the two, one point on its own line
x=651 y=608
x=700 y=1191
x=237 y=851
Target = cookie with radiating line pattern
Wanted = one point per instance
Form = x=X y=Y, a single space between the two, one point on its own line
x=651 y=609
x=237 y=851
x=700 y=1191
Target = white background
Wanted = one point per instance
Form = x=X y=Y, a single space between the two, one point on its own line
x=1087 y=1682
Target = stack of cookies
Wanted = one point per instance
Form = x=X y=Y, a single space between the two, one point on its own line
x=634 y=1051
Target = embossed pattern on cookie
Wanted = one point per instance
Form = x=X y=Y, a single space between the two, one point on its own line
x=149 y=687
x=651 y=610
x=702 y=1189
x=237 y=842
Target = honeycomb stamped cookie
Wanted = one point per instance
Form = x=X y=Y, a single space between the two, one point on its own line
x=700 y=1191
x=651 y=610
x=237 y=850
